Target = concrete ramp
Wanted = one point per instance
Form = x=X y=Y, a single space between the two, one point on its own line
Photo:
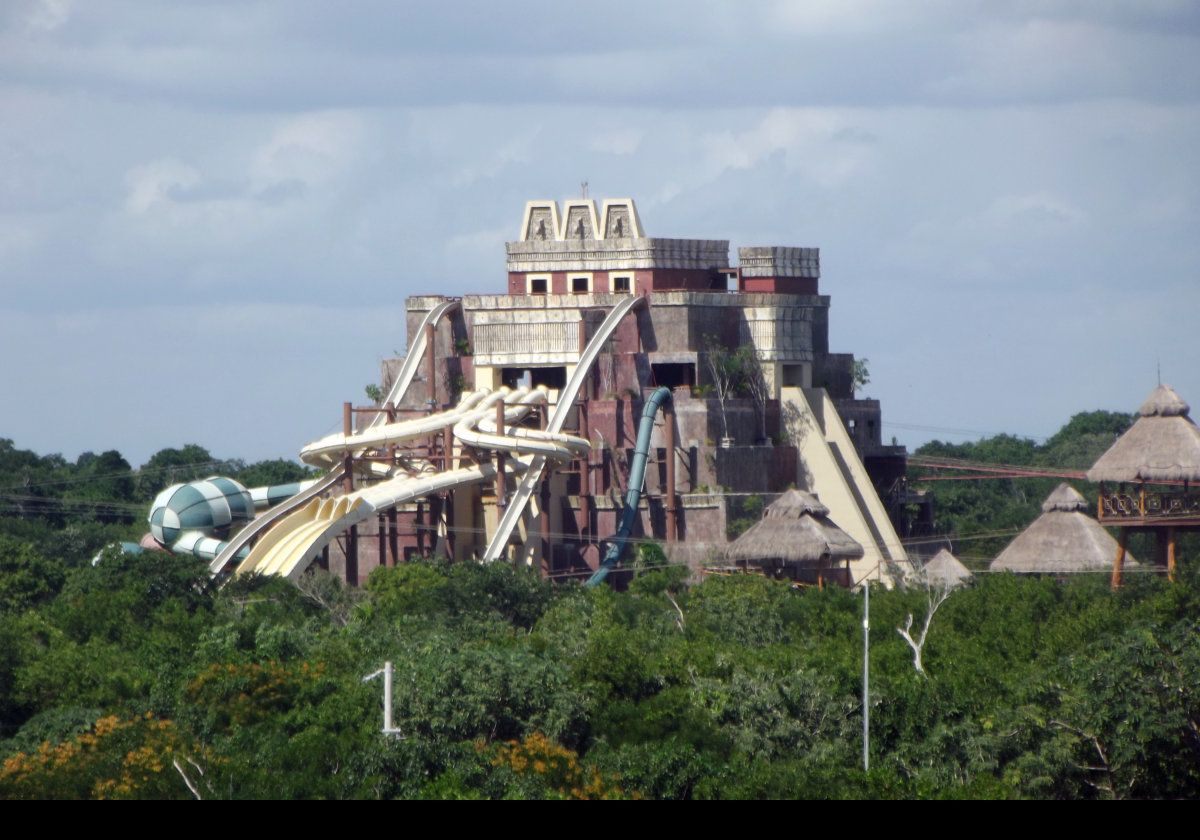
x=829 y=466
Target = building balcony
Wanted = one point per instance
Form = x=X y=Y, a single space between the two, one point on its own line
x=1149 y=508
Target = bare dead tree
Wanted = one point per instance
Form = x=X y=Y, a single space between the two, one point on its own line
x=191 y=785
x=679 y=622
x=754 y=378
x=330 y=594
x=608 y=374
x=725 y=368
x=934 y=597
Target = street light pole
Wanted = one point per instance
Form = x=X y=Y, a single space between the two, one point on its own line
x=386 y=671
x=866 y=708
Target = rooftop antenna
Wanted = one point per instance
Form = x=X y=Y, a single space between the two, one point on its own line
x=583 y=189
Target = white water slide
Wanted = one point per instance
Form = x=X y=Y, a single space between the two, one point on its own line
x=408 y=372
x=298 y=538
x=529 y=482
x=412 y=362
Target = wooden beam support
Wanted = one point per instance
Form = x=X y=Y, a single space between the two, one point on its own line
x=419 y=527
x=348 y=487
x=669 y=434
x=501 y=489
x=393 y=536
x=431 y=366
x=1171 y=554
x=1119 y=562
x=585 y=475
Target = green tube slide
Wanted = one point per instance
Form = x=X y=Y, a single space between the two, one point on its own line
x=637 y=478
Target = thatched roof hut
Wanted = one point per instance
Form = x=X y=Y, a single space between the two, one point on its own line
x=945 y=571
x=1062 y=540
x=795 y=531
x=1163 y=445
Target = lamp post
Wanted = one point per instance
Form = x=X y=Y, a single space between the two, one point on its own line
x=386 y=671
x=866 y=713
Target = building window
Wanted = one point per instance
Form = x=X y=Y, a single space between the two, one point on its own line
x=797 y=376
x=580 y=284
x=674 y=375
x=554 y=377
x=622 y=284
x=537 y=285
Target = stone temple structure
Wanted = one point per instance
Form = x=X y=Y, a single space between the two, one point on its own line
x=567 y=268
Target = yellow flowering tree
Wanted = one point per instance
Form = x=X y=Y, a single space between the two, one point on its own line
x=133 y=758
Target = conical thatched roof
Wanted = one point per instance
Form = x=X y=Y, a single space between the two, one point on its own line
x=795 y=528
x=945 y=571
x=1066 y=498
x=1164 y=402
x=1163 y=445
x=1062 y=540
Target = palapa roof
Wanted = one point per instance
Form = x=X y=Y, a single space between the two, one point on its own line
x=795 y=528
x=1063 y=539
x=1065 y=498
x=1163 y=445
x=945 y=571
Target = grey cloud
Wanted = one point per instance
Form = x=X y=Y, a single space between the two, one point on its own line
x=303 y=57
x=291 y=165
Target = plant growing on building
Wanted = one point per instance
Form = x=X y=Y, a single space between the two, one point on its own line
x=754 y=380
x=736 y=372
x=860 y=376
x=726 y=368
x=462 y=347
x=456 y=385
x=374 y=393
x=607 y=366
x=749 y=512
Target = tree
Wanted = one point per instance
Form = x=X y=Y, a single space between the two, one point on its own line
x=935 y=596
x=724 y=375
x=134 y=758
x=737 y=372
x=860 y=376
x=754 y=378
x=26 y=577
x=171 y=466
x=1125 y=717
x=277 y=471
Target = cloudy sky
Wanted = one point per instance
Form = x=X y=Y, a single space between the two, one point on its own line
x=211 y=212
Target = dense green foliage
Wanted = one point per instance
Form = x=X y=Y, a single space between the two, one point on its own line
x=69 y=511
x=1003 y=506
x=137 y=678
x=508 y=686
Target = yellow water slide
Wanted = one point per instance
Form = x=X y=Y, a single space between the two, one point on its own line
x=297 y=539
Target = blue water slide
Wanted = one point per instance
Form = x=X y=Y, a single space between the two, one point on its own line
x=637 y=478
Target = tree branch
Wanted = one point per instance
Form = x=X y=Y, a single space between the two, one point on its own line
x=179 y=769
x=678 y=621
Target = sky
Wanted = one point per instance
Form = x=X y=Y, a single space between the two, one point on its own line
x=211 y=212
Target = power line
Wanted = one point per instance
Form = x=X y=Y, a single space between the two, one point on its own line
x=960 y=432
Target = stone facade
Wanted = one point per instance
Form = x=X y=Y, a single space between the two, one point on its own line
x=494 y=339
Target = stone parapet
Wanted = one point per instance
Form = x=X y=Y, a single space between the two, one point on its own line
x=738 y=299
x=617 y=254
x=776 y=261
